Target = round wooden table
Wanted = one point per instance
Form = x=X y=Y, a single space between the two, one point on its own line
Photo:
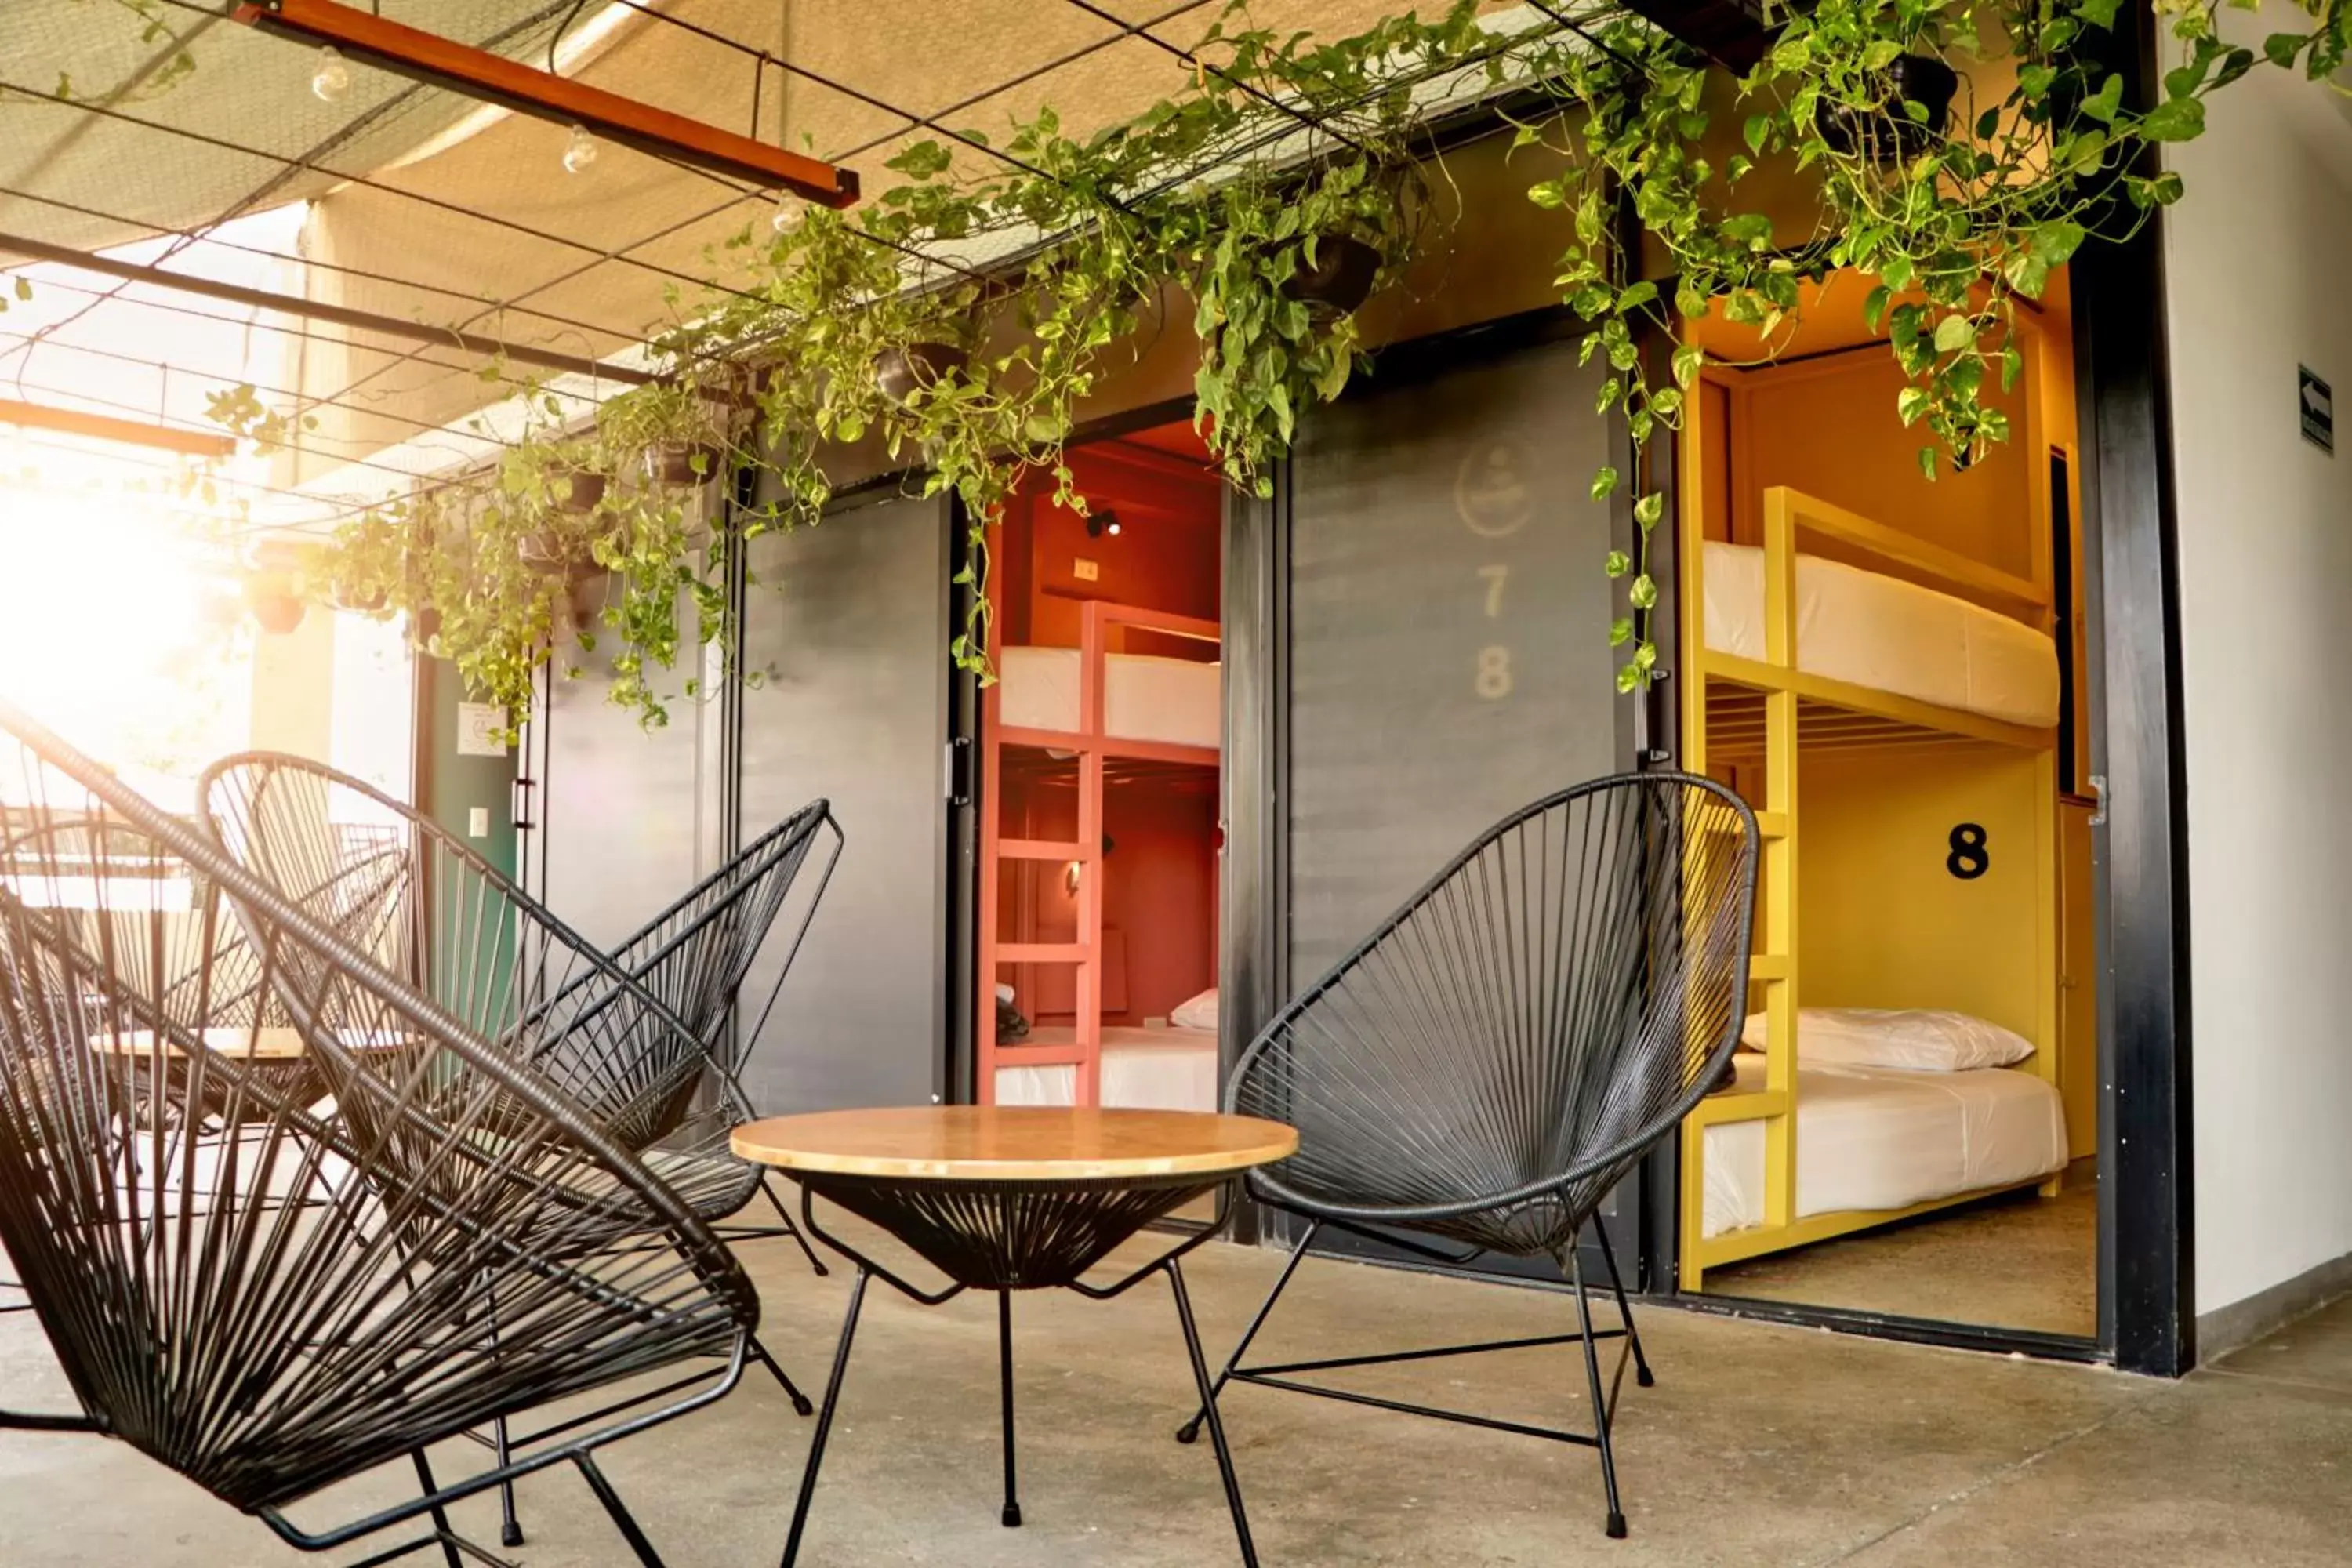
x=1009 y=1198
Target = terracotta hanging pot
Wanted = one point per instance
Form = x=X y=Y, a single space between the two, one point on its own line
x=277 y=610
x=676 y=463
x=898 y=371
x=580 y=490
x=1341 y=277
x=1890 y=134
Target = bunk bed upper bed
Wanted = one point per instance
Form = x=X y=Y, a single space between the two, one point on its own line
x=1116 y=714
x=1783 y=653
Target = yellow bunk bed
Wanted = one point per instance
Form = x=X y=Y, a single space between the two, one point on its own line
x=1760 y=707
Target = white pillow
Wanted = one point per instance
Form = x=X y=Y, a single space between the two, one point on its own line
x=1199 y=1013
x=1921 y=1039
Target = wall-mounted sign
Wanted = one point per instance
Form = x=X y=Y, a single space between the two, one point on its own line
x=478 y=724
x=2317 y=406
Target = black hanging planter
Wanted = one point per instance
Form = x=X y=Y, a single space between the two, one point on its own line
x=898 y=371
x=1340 y=277
x=1890 y=133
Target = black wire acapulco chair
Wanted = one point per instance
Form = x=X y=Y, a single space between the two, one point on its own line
x=531 y=987
x=1494 y=1058
x=696 y=955
x=267 y=1348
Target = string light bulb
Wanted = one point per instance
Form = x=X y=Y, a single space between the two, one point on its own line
x=331 y=78
x=790 y=210
x=579 y=151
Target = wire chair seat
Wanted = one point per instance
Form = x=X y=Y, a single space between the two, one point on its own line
x=266 y=1349
x=1500 y=1053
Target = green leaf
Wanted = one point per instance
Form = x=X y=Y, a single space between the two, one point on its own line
x=1649 y=508
x=1687 y=360
x=2099 y=13
x=1604 y=485
x=1549 y=195
x=1620 y=631
x=1758 y=129
x=2033 y=80
x=23 y=288
x=2280 y=48
x=1635 y=296
x=1618 y=564
x=2175 y=120
x=1910 y=402
x=2103 y=104
x=1955 y=332
x=1643 y=595
x=1874 y=306
x=1628 y=677
x=1927 y=463
x=1880 y=54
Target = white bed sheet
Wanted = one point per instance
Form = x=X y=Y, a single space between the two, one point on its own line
x=1885 y=1138
x=1142 y=1070
x=1145 y=697
x=1870 y=629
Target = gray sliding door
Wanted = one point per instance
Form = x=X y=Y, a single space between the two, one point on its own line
x=844 y=637
x=624 y=818
x=1444 y=632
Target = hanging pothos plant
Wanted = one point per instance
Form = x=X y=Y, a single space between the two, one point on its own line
x=963 y=317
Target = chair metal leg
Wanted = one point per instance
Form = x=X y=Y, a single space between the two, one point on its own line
x=1190 y=1430
x=1208 y=1413
x=1624 y=1308
x=510 y=1526
x=792 y=1230
x=440 y=1515
x=1012 y=1515
x=825 y=1420
x=791 y=1390
x=619 y=1510
x=1599 y=1401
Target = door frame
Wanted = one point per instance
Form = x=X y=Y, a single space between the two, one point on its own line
x=2123 y=457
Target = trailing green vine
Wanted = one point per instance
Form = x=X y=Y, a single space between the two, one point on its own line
x=962 y=318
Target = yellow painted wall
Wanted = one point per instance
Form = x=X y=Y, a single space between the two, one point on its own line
x=2078 y=996
x=1829 y=428
x=1886 y=923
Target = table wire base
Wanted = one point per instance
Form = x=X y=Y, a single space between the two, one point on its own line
x=1008 y=1236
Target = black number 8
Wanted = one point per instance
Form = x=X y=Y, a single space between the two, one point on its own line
x=1968 y=860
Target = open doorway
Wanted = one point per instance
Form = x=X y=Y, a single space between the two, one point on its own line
x=1101 y=740
x=1888 y=669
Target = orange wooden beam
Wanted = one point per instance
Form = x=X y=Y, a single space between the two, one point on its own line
x=106 y=428
x=494 y=78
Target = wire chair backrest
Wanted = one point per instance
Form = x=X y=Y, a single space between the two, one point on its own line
x=275 y=1310
x=696 y=954
x=1501 y=1049
x=464 y=935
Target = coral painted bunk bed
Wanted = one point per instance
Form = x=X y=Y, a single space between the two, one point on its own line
x=1118 y=716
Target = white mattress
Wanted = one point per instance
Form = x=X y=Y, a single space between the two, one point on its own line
x=1870 y=629
x=1145 y=697
x=1885 y=1138
x=1142 y=1070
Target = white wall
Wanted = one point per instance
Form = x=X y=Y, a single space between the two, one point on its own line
x=2257 y=257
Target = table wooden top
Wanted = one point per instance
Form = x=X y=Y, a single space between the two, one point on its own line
x=1021 y=1143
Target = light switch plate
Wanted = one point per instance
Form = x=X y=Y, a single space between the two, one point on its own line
x=478 y=821
x=1085 y=571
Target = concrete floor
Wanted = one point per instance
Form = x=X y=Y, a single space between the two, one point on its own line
x=2022 y=1261
x=1759 y=1446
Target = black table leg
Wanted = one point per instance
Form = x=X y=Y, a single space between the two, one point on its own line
x=1209 y=1411
x=825 y=1420
x=1012 y=1515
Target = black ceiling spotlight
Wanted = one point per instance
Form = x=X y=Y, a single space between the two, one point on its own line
x=1102 y=524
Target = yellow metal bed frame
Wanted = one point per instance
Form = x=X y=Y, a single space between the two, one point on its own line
x=1769 y=708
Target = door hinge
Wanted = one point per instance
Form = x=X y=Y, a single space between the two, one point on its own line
x=957 y=782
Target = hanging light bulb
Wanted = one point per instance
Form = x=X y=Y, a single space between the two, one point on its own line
x=579 y=151
x=790 y=210
x=331 y=78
